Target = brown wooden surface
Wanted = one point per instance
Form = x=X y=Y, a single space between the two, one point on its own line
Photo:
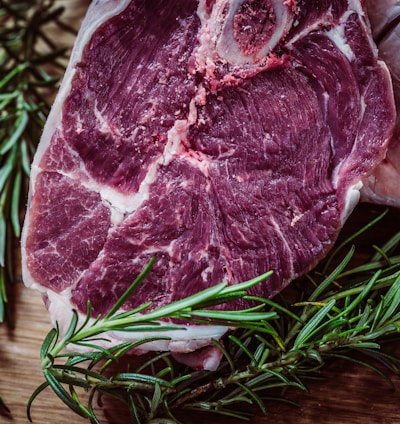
x=350 y=393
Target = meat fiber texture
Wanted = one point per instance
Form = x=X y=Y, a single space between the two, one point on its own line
x=383 y=185
x=223 y=138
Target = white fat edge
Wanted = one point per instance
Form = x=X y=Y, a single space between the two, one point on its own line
x=356 y=6
x=186 y=339
x=352 y=197
x=338 y=38
x=351 y=200
x=27 y=278
x=97 y=13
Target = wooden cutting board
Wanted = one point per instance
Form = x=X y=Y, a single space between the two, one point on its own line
x=349 y=394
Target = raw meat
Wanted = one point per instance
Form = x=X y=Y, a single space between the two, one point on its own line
x=227 y=138
x=383 y=185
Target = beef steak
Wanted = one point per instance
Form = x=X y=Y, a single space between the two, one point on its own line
x=383 y=185
x=226 y=138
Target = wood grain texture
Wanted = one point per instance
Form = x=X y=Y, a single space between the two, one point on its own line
x=349 y=393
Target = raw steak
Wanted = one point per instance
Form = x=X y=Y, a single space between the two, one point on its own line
x=383 y=185
x=225 y=138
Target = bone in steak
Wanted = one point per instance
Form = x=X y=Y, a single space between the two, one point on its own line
x=227 y=138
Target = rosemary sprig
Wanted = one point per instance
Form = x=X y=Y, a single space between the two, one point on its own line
x=30 y=65
x=192 y=308
x=350 y=313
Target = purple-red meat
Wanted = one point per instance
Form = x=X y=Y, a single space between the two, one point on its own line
x=225 y=138
x=383 y=186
